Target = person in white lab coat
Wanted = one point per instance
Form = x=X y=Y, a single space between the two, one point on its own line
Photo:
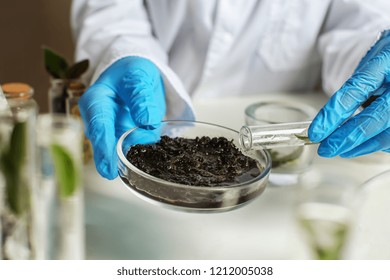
x=149 y=58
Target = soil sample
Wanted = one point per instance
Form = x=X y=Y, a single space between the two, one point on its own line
x=202 y=161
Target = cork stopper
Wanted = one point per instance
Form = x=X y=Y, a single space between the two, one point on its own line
x=17 y=90
x=76 y=89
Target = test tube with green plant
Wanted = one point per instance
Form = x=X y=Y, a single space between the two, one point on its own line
x=17 y=170
x=60 y=150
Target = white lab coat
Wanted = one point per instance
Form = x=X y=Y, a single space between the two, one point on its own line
x=230 y=47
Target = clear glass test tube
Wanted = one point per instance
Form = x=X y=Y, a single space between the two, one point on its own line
x=274 y=135
x=59 y=140
x=17 y=183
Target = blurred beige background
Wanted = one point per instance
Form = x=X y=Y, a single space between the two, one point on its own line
x=25 y=27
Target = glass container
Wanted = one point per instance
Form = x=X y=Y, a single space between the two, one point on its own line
x=59 y=140
x=58 y=94
x=74 y=92
x=185 y=197
x=17 y=178
x=288 y=162
x=325 y=211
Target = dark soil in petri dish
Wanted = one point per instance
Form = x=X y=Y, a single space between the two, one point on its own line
x=202 y=161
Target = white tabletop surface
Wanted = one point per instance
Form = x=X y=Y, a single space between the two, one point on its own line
x=120 y=225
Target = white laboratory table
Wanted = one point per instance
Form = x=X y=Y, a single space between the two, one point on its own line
x=120 y=225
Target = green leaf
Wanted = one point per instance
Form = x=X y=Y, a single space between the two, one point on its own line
x=12 y=161
x=77 y=69
x=18 y=142
x=303 y=138
x=65 y=170
x=55 y=64
x=11 y=176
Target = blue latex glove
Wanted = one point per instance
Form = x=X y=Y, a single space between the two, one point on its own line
x=129 y=93
x=342 y=134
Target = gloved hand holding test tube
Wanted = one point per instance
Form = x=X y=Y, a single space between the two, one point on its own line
x=340 y=130
x=252 y=137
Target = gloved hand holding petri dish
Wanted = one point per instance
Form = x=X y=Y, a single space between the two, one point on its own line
x=129 y=93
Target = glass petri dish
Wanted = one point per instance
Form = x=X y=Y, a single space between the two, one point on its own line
x=187 y=197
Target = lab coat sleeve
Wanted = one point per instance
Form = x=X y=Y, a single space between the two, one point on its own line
x=108 y=30
x=351 y=28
